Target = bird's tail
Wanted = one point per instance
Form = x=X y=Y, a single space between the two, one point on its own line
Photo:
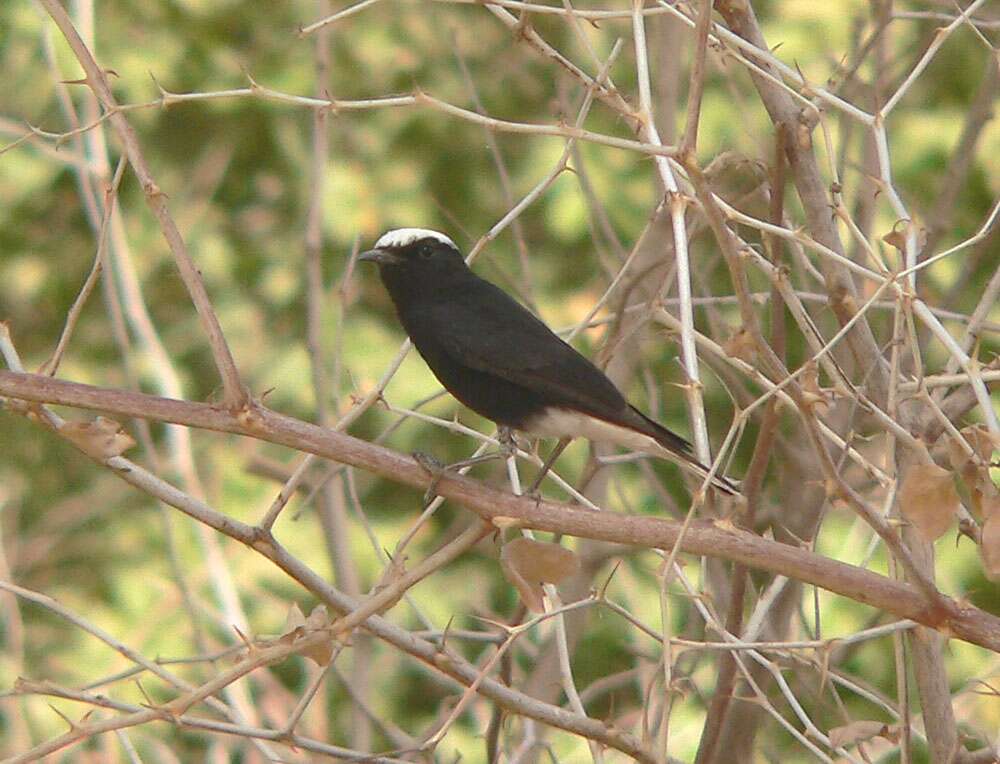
x=679 y=451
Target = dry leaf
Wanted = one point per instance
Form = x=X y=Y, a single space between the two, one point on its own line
x=928 y=499
x=294 y=626
x=896 y=238
x=527 y=564
x=319 y=654
x=741 y=345
x=983 y=442
x=101 y=438
x=318 y=618
x=990 y=502
x=973 y=468
x=856 y=732
x=298 y=626
x=984 y=496
x=989 y=546
x=958 y=457
x=813 y=396
x=502 y=522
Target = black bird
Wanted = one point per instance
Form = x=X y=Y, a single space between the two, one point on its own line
x=501 y=361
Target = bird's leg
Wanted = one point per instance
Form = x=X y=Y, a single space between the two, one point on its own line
x=547 y=465
x=433 y=466
x=508 y=450
x=505 y=436
x=436 y=469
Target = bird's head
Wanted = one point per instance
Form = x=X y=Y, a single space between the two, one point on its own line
x=414 y=250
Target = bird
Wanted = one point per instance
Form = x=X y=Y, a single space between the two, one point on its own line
x=500 y=360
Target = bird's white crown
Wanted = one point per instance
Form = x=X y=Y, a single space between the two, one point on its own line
x=402 y=237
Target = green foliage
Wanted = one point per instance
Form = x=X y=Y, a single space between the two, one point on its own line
x=237 y=170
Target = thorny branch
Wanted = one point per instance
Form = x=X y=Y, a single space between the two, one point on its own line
x=854 y=442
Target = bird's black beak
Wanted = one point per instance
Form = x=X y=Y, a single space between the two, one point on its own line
x=379 y=256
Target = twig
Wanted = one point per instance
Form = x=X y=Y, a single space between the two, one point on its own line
x=51 y=366
x=689 y=144
x=677 y=202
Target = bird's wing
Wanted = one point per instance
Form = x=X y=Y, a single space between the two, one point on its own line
x=487 y=330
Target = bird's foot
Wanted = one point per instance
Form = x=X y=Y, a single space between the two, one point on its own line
x=508 y=445
x=437 y=469
x=433 y=467
x=535 y=496
x=429 y=463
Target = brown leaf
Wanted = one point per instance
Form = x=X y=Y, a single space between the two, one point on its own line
x=320 y=654
x=102 y=438
x=741 y=345
x=896 y=239
x=502 y=522
x=298 y=626
x=856 y=732
x=294 y=626
x=813 y=396
x=958 y=457
x=973 y=468
x=983 y=442
x=989 y=546
x=318 y=618
x=928 y=499
x=527 y=564
x=984 y=495
x=991 y=502
x=294 y=619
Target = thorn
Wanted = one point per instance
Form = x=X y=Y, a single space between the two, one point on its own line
x=254 y=85
x=248 y=643
x=164 y=95
x=446 y=633
x=602 y=592
x=61 y=715
x=145 y=695
x=331 y=106
x=505 y=628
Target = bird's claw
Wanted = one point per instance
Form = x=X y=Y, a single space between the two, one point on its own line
x=508 y=444
x=433 y=467
x=430 y=464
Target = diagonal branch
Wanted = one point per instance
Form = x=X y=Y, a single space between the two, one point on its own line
x=701 y=537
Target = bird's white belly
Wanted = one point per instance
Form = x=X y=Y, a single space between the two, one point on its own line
x=563 y=423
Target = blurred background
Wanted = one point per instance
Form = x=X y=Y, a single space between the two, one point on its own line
x=243 y=170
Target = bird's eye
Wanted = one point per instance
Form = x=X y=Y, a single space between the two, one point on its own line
x=426 y=250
